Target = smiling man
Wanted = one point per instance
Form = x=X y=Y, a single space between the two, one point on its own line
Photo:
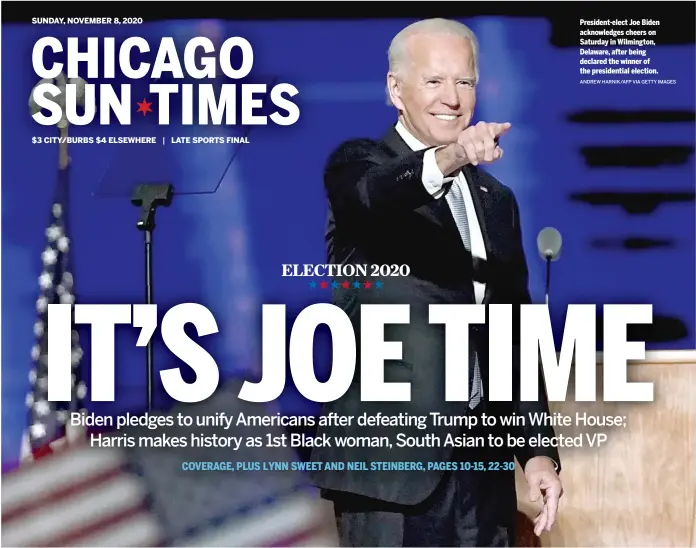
x=419 y=197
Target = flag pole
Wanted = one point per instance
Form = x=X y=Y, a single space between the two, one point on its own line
x=72 y=433
x=49 y=425
x=63 y=158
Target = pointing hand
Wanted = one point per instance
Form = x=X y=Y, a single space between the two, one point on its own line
x=479 y=144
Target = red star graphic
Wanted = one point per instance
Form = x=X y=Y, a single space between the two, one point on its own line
x=346 y=285
x=367 y=285
x=143 y=107
x=323 y=285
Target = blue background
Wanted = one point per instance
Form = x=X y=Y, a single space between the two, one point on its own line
x=225 y=249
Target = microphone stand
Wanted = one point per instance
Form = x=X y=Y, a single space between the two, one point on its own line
x=148 y=197
x=548 y=277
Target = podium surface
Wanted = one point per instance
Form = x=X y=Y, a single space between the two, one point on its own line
x=639 y=488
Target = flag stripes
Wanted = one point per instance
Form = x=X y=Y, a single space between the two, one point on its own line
x=90 y=497
x=74 y=496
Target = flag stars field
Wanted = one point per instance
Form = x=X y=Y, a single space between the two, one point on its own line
x=367 y=284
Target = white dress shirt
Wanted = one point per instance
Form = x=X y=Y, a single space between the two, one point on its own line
x=433 y=180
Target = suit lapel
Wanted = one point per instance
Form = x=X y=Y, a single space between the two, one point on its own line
x=394 y=141
x=483 y=204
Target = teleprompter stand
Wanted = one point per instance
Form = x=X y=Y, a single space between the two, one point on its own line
x=149 y=197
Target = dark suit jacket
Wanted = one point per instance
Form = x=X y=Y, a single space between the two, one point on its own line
x=380 y=213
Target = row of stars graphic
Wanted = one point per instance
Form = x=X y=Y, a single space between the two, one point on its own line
x=346 y=285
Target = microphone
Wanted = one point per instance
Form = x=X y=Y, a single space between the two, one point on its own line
x=549 y=242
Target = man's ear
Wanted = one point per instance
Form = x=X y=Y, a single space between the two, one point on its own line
x=394 y=89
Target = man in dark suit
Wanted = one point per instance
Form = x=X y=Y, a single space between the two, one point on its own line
x=419 y=198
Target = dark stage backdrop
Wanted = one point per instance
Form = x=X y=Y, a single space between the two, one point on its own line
x=575 y=158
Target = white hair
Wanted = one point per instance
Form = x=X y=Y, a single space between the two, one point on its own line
x=398 y=49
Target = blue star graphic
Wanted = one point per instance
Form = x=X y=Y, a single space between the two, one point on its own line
x=334 y=285
x=378 y=284
x=356 y=285
x=312 y=284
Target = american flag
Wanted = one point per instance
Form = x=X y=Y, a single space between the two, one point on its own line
x=48 y=428
x=89 y=496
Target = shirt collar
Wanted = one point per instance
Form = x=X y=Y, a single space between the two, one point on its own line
x=413 y=143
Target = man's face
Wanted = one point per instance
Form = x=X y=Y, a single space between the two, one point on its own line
x=436 y=93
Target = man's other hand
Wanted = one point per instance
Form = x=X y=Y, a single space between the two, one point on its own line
x=479 y=144
x=542 y=478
